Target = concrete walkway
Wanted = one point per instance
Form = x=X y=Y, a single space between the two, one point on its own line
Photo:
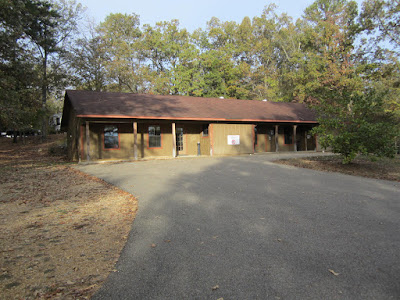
x=245 y=228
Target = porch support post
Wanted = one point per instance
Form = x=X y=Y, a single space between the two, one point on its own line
x=135 y=149
x=295 y=137
x=276 y=138
x=79 y=138
x=173 y=140
x=87 y=142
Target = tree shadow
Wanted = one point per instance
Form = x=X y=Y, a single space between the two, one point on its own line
x=255 y=229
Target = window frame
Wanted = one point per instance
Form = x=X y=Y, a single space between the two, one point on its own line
x=148 y=136
x=118 y=138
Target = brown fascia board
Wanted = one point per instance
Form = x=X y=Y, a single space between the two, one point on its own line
x=193 y=119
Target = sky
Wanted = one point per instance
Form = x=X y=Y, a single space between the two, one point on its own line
x=191 y=14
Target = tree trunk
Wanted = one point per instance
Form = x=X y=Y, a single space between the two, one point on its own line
x=44 y=96
x=15 y=136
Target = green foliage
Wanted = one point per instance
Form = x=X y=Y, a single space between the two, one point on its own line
x=88 y=59
x=118 y=42
x=357 y=124
x=243 y=61
x=19 y=85
x=328 y=34
x=354 y=86
x=33 y=36
x=349 y=94
x=381 y=19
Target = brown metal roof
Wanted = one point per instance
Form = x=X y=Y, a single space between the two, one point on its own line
x=144 y=106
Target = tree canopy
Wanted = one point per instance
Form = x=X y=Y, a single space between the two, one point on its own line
x=34 y=36
x=342 y=62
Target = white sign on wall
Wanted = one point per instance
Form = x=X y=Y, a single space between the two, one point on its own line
x=233 y=139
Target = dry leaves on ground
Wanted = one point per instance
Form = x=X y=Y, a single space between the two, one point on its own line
x=386 y=168
x=61 y=231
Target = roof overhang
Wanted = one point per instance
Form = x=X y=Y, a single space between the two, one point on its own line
x=194 y=119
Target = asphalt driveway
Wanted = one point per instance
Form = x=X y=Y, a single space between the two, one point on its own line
x=245 y=228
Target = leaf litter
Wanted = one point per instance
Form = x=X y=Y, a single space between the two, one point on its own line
x=384 y=168
x=61 y=231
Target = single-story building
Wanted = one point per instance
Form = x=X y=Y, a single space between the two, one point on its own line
x=124 y=126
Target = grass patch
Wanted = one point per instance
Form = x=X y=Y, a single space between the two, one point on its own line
x=386 y=168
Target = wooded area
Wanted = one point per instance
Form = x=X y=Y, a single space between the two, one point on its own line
x=342 y=62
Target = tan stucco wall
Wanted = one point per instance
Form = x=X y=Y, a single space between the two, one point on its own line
x=270 y=139
x=281 y=140
x=205 y=145
x=126 y=142
x=219 y=138
x=73 y=137
x=261 y=139
x=192 y=135
x=302 y=132
x=166 y=140
x=97 y=151
x=265 y=141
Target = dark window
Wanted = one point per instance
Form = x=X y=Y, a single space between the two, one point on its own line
x=288 y=132
x=205 y=130
x=111 y=140
x=58 y=121
x=154 y=136
x=255 y=135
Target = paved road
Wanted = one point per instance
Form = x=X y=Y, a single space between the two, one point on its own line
x=254 y=230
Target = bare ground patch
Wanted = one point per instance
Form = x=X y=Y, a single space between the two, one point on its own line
x=387 y=169
x=61 y=231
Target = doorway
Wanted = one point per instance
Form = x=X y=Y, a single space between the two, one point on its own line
x=180 y=141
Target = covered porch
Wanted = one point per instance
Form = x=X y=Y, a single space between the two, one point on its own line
x=130 y=139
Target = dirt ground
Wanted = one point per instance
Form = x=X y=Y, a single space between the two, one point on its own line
x=61 y=231
x=387 y=169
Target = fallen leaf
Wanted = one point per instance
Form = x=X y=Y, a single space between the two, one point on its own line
x=79 y=226
x=167 y=241
x=153 y=245
x=215 y=287
x=333 y=272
